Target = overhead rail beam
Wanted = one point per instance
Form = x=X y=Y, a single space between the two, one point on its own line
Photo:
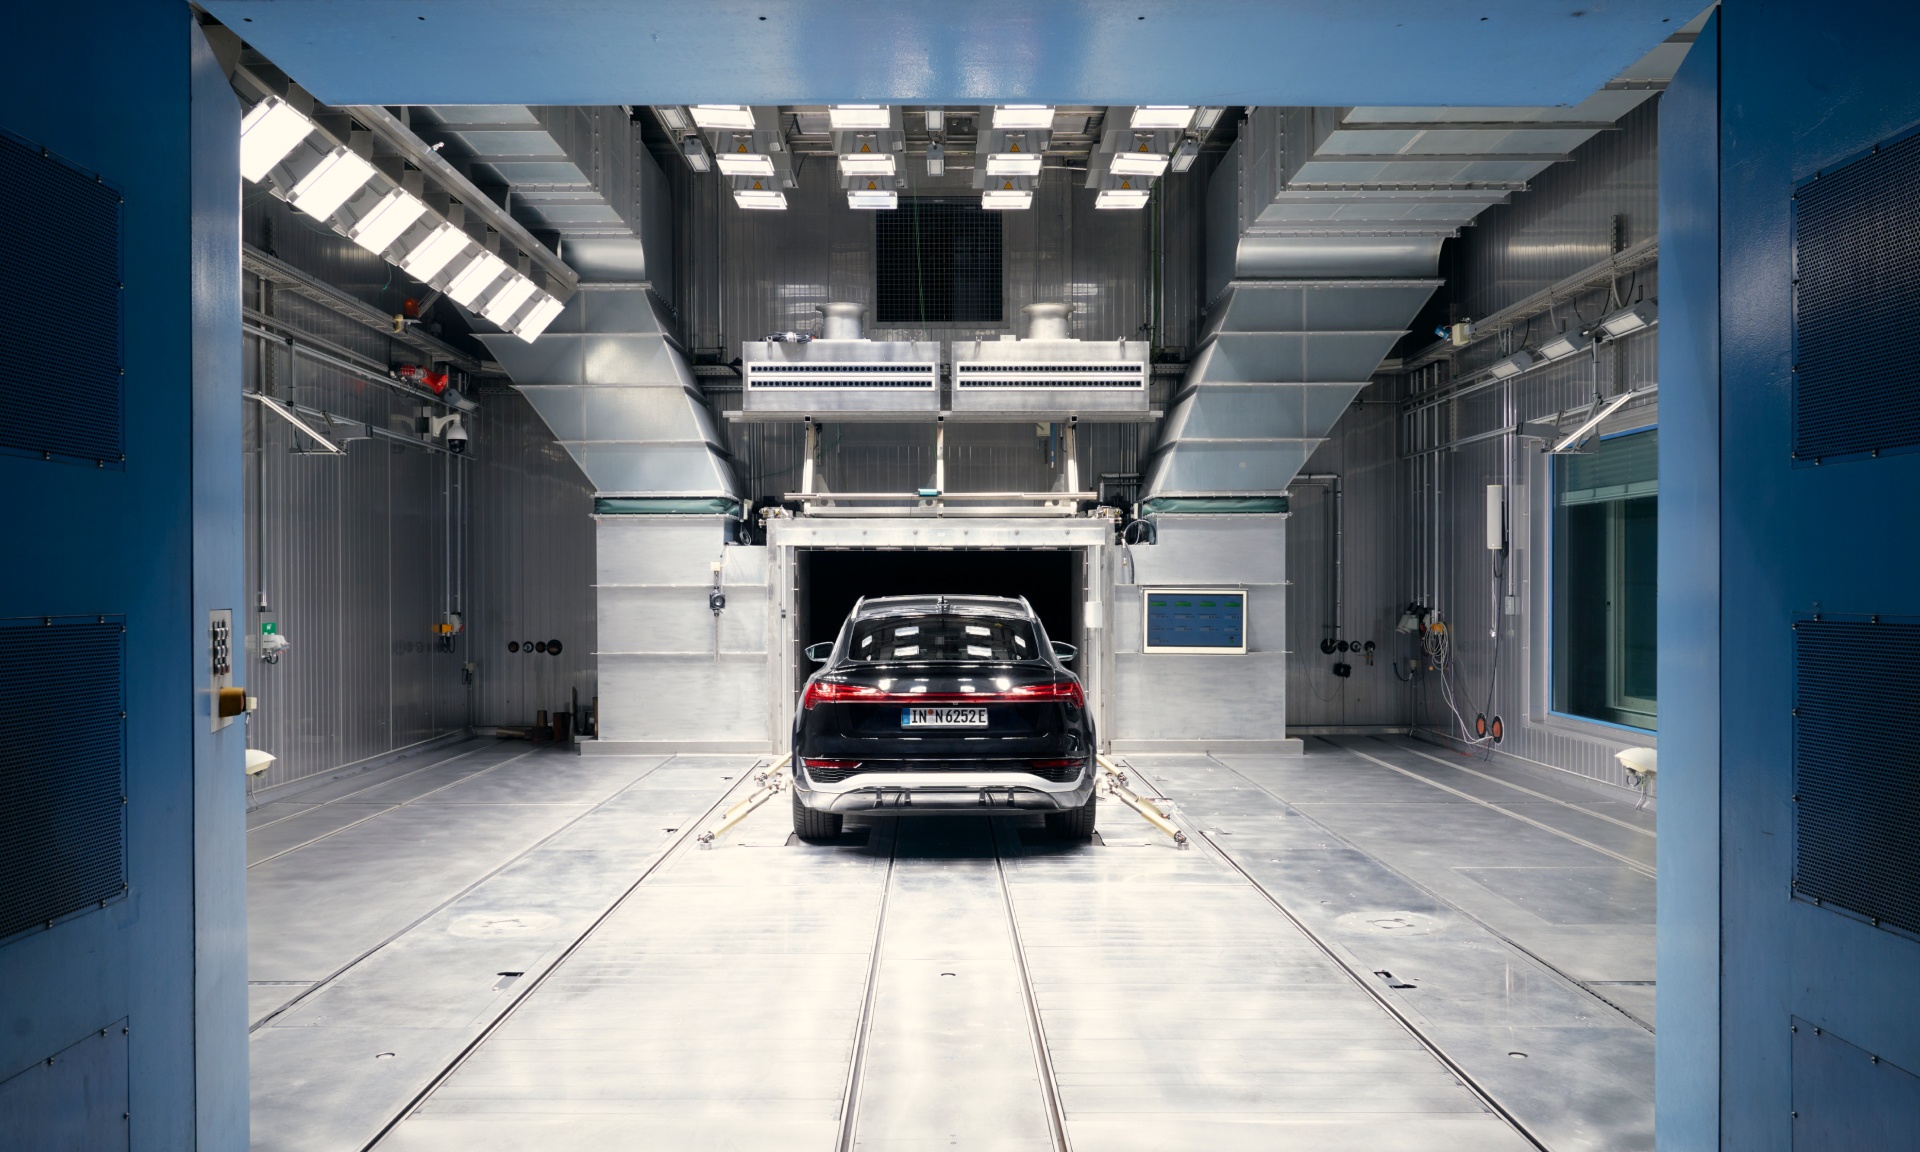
x=563 y=280
x=315 y=349
x=284 y=275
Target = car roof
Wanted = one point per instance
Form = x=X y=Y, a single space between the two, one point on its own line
x=902 y=605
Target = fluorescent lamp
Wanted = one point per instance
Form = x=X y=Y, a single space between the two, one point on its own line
x=507 y=301
x=1121 y=198
x=696 y=154
x=537 y=318
x=1512 y=366
x=1023 y=116
x=936 y=119
x=874 y=198
x=759 y=198
x=1628 y=320
x=744 y=163
x=1578 y=434
x=434 y=253
x=339 y=175
x=1014 y=164
x=475 y=278
x=936 y=159
x=1138 y=164
x=857 y=117
x=1186 y=154
x=737 y=117
x=866 y=164
x=269 y=132
x=383 y=223
x=1564 y=345
x=674 y=117
x=1208 y=118
x=1006 y=199
x=1154 y=117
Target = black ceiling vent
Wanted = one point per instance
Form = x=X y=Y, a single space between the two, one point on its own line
x=61 y=385
x=1856 y=764
x=1856 y=252
x=63 y=842
x=936 y=261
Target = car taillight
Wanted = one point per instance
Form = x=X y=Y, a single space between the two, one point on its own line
x=1051 y=763
x=1069 y=691
x=843 y=765
x=827 y=692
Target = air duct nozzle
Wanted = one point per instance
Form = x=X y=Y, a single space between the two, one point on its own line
x=843 y=321
x=1047 y=321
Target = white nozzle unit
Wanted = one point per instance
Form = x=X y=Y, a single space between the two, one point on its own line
x=1047 y=321
x=843 y=321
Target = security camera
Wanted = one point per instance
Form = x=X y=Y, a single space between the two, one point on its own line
x=452 y=428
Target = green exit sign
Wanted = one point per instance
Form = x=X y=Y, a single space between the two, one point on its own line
x=268 y=628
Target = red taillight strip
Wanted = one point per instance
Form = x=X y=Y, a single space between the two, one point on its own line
x=831 y=693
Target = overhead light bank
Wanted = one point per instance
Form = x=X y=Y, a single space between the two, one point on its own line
x=344 y=190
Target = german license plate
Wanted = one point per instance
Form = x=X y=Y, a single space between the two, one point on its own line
x=943 y=717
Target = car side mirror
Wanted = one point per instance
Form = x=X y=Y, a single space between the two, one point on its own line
x=1064 y=652
x=820 y=653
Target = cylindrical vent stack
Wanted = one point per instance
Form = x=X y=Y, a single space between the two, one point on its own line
x=1047 y=321
x=843 y=321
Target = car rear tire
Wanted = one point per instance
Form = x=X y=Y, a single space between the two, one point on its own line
x=815 y=826
x=1073 y=823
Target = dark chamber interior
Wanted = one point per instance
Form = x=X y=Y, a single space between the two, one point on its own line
x=831 y=582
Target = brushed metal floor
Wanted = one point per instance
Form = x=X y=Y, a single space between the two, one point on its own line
x=952 y=983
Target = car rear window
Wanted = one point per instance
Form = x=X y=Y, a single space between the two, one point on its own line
x=955 y=637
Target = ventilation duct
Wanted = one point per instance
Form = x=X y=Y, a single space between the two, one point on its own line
x=618 y=396
x=1049 y=375
x=842 y=374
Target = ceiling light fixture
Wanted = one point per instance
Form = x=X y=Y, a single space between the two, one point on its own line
x=537 y=318
x=760 y=198
x=1161 y=116
x=1564 y=345
x=696 y=154
x=1014 y=164
x=1512 y=366
x=429 y=256
x=1138 y=164
x=674 y=117
x=1628 y=320
x=936 y=159
x=744 y=163
x=737 y=117
x=507 y=301
x=271 y=130
x=867 y=164
x=339 y=175
x=936 y=119
x=1028 y=116
x=1111 y=198
x=1186 y=154
x=383 y=223
x=475 y=278
x=1573 y=438
x=1208 y=118
x=873 y=198
x=858 y=117
x=1006 y=199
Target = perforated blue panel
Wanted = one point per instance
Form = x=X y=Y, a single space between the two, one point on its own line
x=62 y=768
x=60 y=345
x=1856 y=292
x=1856 y=758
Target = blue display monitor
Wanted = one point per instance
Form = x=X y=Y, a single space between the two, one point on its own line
x=1195 y=619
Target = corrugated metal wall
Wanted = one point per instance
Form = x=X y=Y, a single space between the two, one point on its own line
x=359 y=556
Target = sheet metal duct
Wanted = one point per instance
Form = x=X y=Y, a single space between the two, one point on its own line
x=1324 y=230
x=1049 y=375
x=619 y=397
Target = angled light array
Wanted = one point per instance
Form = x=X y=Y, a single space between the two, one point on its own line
x=1138 y=164
x=338 y=176
x=429 y=256
x=270 y=130
x=873 y=198
x=385 y=221
x=760 y=199
x=1186 y=154
x=507 y=301
x=744 y=163
x=1028 y=116
x=537 y=318
x=1014 y=163
x=696 y=154
x=1161 y=116
x=733 y=117
x=1564 y=345
x=859 y=117
x=1006 y=199
x=867 y=164
x=469 y=282
x=1112 y=198
x=1512 y=366
x=1627 y=320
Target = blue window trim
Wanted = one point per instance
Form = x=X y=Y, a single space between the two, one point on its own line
x=1553 y=496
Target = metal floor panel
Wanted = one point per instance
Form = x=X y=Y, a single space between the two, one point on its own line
x=966 y=983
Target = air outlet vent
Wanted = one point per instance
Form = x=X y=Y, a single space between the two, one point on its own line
x=62 y=769
x=61 y=388
x=1856 y=761
x=1856 y=247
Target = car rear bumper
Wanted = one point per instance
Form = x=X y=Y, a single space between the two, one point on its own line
x=908 y=793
